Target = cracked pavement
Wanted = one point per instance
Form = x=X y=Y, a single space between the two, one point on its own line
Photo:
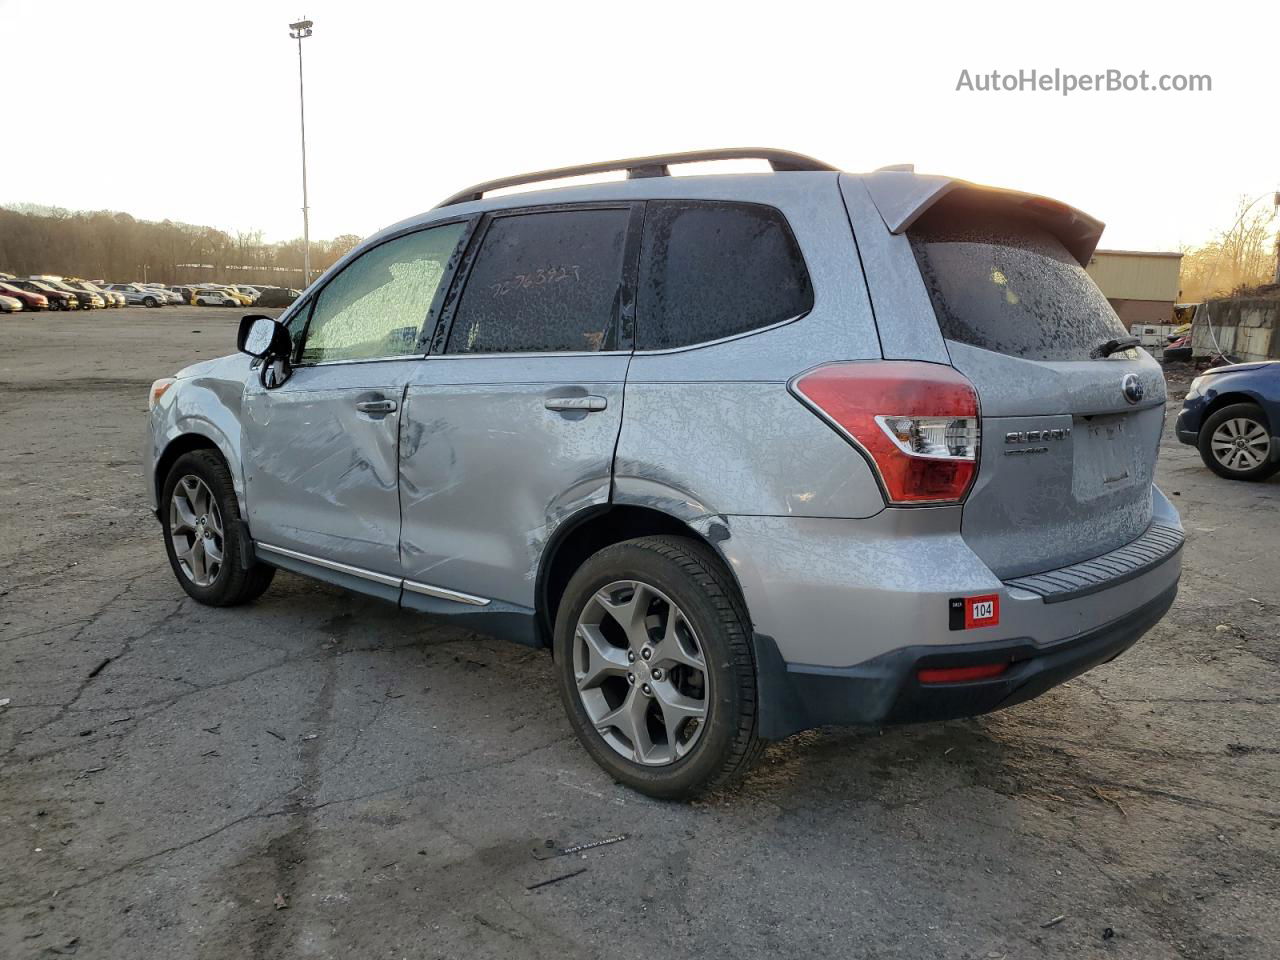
x=170 y=773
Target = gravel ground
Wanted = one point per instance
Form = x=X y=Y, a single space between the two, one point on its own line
x=321 y=775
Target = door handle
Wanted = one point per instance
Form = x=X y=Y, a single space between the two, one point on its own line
x=376 y=406
x=587 y=404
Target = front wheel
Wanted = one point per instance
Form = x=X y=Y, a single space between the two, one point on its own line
x=200 y=513
x=150 y=302
x=655 y=668
x=1235 y=442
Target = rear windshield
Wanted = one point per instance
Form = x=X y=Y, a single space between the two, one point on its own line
x=1003 y=282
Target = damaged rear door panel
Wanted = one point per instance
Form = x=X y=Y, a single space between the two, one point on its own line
x=510 y=427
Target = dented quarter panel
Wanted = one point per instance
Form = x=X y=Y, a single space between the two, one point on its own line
x=320 y=476
x=777 y=458
x=488 y=473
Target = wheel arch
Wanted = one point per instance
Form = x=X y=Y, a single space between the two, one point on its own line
x=594 y=528
x=186 y=443
x=1230 y=397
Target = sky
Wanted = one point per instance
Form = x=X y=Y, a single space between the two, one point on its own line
x=408 y=102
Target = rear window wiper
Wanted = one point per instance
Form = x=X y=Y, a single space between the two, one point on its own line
x=1114 y=346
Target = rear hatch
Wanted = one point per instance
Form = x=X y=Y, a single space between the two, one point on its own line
x=1069 y=437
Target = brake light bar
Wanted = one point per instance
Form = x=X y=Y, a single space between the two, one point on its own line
x=917 y=423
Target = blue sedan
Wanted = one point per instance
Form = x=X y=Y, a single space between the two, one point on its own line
x=1232 y=414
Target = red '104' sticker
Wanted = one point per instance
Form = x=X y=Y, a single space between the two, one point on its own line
x=966 y=613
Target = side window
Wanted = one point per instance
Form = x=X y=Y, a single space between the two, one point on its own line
x=297 y=324
x=710 y=270
x=376 y=306
x=544 y=282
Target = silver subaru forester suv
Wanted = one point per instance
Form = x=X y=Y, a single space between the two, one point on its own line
x=749 y=453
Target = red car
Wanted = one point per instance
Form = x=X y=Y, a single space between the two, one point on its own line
x=31 y=299
x=58 y=299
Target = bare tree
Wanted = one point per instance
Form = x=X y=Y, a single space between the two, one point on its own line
x=1240 y=256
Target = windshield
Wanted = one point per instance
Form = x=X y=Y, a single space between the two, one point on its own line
x=1003 y=282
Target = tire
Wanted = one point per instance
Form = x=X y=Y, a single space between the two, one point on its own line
x=150 y=302
x=231 y=584
x=686 y=580
x=1235 y=442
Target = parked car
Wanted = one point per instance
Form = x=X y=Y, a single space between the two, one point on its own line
x=1231 y=415
x=806 y=511
x=168 y=295
x=9 y=304
x=57 y=299
x=87 y=299
x=216 y=298
x=243 y=299
x=185 y=294
x=111 y=297
x=276 y=297
x=30 y=299
x=137 y=293
x=91 y=297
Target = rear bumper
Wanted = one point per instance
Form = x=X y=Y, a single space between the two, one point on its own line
x=846 y=612
x=886 y=689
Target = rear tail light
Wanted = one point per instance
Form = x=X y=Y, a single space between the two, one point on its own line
x=916 y=422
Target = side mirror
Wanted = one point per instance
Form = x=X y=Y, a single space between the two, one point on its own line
x=264 y=337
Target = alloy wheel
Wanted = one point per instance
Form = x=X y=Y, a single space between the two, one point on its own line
x=195 y=527
x=641 y=673
x=1240 y=444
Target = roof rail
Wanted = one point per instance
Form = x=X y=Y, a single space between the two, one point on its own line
x=640 y=167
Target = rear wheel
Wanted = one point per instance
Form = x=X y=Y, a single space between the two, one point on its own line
x=1235 y=442
x=199 y=513
x=655 y=669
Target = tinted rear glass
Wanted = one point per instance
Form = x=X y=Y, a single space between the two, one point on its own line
x=1003 y=282
x=544 y=282
x=710 y=270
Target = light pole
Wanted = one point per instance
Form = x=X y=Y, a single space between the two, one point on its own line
x=300 y=31
x=1276 y=200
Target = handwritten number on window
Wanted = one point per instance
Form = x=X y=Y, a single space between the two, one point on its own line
x=537 y=278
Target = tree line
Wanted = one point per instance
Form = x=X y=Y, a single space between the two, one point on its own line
x=118 y=248
x=1237 y=259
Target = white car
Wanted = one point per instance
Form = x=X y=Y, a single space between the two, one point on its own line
x=165 y=293
x=10 y=304
x=215 y=298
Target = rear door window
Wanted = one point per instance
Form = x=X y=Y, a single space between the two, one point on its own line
x=710 y=270
x=1002 y=281
x=544 y=282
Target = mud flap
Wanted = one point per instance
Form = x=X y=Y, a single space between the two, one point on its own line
x=248 y=556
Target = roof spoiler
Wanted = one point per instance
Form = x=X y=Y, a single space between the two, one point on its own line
x=902 y=198
x=640 y=167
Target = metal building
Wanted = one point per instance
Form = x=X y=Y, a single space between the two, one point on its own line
x=1141 y=285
